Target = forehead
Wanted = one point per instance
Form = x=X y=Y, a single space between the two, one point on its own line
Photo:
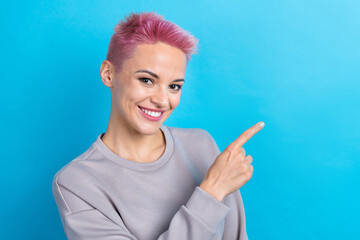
x=159 y=57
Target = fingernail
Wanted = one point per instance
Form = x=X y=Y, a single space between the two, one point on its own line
x=262 y=124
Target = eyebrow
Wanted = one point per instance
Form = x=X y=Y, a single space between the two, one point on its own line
x=156 y=76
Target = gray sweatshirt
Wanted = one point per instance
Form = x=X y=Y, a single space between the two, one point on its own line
x=101 y=195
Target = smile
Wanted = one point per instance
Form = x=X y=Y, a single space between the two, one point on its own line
x=151 y=114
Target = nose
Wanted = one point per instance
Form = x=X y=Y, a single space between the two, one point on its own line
x=160 y=97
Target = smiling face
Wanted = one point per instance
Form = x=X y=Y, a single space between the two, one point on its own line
x=151 y=79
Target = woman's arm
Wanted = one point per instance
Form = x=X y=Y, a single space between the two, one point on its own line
x=199 y=218
x=235 y=221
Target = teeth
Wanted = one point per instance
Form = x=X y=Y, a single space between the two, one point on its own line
x=151 y=113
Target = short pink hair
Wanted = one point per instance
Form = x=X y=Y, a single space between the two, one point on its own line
x=147 y=28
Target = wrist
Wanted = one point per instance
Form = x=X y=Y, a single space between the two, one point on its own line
x=210 y=190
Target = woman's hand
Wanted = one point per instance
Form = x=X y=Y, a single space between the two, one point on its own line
x=232 y=168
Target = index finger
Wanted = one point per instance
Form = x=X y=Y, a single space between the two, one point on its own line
x=245 y=136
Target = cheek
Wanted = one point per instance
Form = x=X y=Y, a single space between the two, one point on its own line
x=132 y=93
x=175 y=100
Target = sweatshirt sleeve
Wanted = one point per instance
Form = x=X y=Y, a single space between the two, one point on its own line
x=199 y=218
x=235 y=218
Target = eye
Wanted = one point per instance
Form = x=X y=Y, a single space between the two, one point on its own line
x=146 y=80
x=175 y=87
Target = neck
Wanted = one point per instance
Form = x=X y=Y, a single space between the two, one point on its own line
x=128 y=143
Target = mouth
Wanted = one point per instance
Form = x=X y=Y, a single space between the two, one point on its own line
x=151 y=114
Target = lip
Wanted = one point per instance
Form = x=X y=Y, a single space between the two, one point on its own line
x=151 y=109
x=151 y=118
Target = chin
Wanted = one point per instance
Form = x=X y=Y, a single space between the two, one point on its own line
x=148 y=129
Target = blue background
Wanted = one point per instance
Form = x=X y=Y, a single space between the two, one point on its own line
x=292 y=64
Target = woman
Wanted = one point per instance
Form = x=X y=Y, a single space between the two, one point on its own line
x=144 y=180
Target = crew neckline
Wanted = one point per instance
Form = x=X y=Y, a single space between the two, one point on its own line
x=169 y=148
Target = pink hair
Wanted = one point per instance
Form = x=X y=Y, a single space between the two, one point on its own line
x=147 y=28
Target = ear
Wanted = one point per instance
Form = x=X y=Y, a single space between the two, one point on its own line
x=106 y=71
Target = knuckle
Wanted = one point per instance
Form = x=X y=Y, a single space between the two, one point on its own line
x=242 y=154
x=230 y=148
x=249 y=174
x=247 y=132
x=250 y=132
x=238 y=164
x=244 y=167
x=243 y=151
x=226 y=154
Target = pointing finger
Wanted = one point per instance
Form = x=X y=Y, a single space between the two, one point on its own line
x=245 y=136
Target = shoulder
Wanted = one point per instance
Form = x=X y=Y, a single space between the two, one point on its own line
x=75 y=170
x=189 y=133
x=75 y=186
x=194 y=139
